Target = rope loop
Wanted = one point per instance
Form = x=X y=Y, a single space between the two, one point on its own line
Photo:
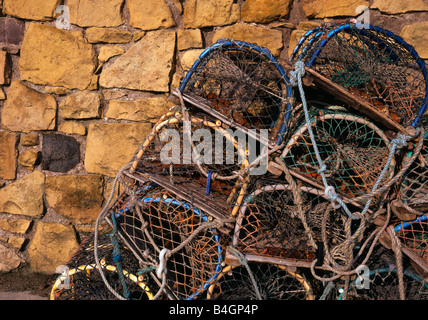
x=163 y=257
x=297 y=73
x=400 y=141
x=332 y=195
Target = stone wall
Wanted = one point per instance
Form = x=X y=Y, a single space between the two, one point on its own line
x=78 y=95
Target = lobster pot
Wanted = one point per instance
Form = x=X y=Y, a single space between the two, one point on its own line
x=414 y=238
x=377 y=66
x=413 y=191
x=173 y=235
x=82 y=279
x=379 y=279
x=193 y=153
x=308 y=43
x=260 y=281
x=241 y=84
x=353 y=150
x=286 y=225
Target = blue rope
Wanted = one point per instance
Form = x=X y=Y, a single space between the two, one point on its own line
x=208 y=190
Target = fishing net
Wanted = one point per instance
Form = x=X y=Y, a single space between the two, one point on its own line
x=375 y=65
x=414 y=238
x=412 y=195
x=196 y=158
x=170 y=234
x=381 y=280
x=307 y=44
x=283 y=224
x=82 y=279
x=264 y=281
x=241 y=84
x=353 y=150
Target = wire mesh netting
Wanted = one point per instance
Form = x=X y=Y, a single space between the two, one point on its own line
x=242 y=84
x=82 y=280
x=353 y=149
x=380 y=280
x=373 y=64
x=335 y=210
x=267 y=281
x=413 y=191
x=414 y=237
x=283 y=223
x=153 y=220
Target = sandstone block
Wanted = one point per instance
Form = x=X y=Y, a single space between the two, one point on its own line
x=207 y=13
x=30 y=140
x=107 y=52
x=110 y=146
x=93 y=13
x=72 y=127
x=78 y=198
x=26 y=109
x=397 y=7
x=29 y=159
x=189 y=57
x=24 y=196
x=150 y=15
x=54 y=57
x=108 y=35
x=143 y=110
x=15 y=225
x=9 y=259
x=16 y=242
x=417 y=35
x=8 y=142
x=145 y=66
x=31 y=10
x=52 y=245
x=271 y=39
x=189 y=39
x=138 y=35
x=332 y=8
x=264 y=11
x=81 y=105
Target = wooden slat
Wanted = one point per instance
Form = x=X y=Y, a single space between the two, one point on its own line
x=188 y=191
x=348 y=98
x=201 y=103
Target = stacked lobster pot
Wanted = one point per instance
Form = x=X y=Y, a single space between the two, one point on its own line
x=303 y=180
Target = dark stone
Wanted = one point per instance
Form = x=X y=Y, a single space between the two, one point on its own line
x=12 y=33
x=60 y=153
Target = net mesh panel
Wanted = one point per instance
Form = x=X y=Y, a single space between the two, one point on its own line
x=381 y=280
x=269 y=224
x=273 y=282
x=352 y=148
x=414 y=236
x=374 y=65
x=413 y=191
x=169 y=154
x=85 y=282
x=152 y=219
x=242 y=83
x=308 y=43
